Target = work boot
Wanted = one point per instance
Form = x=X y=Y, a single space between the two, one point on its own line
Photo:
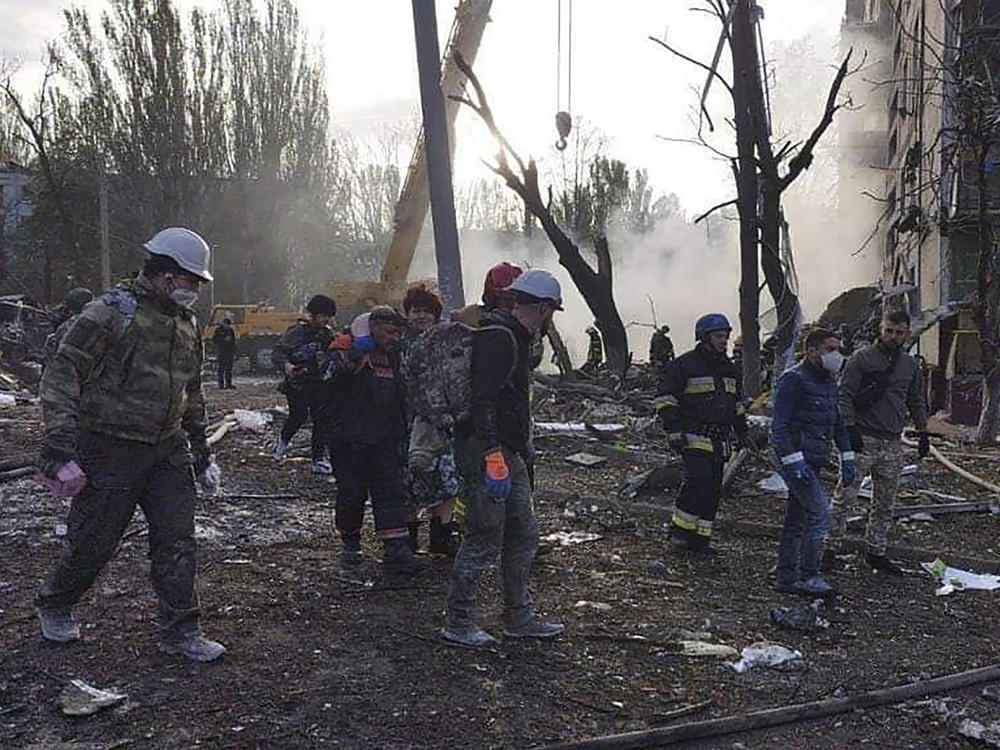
x=279 y=450
x=398 y=558
x=536 y=629
x=883 y=564
x=469 y=635
x=816 y=586
x=58 y=625
x=322 y=468
x=413 y=538
x=194 y=646
x=444 y=541
x=350 y=552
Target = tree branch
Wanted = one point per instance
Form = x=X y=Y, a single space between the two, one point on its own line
x=801 y=161
x=713 y=209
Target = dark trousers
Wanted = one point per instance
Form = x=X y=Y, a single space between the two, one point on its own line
x=807 y=522
x=303 y=404
x=226 y=370
x=120 y=475
x=494 y=527
x=698 y=501
x=374 y=471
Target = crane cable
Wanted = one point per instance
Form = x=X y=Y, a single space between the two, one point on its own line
x=564 y=121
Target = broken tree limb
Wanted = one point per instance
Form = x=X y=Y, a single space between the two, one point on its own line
x=778 y=716
x=958 y=470
x=942 y=509
x=13 y=474
x=909 y=554
x=734 y=463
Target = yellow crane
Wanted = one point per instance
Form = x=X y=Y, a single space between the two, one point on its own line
x=471 y=17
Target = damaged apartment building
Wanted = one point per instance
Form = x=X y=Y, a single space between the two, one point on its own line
x=903 y=147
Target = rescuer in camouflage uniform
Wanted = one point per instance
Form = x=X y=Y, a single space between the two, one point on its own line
x=124 y=417
x=72 y=306
x=875 y=424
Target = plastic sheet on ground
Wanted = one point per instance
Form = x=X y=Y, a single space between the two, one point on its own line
x=701 y=648
x=865 y=488
x=801 y=616
x=80 y=699
x=252 y=420
x=595 y=606
x=774 y=483
x=764 y=654
x=955 y=579
x=989 y=735
x=7 y=400
x=566 y=538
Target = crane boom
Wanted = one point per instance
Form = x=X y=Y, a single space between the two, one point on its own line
x=467 y=29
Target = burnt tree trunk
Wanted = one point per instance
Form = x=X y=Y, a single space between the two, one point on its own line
x=595 y=287
x=743 y=46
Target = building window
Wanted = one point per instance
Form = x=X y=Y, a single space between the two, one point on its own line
x=870 y=12
x=964 y=248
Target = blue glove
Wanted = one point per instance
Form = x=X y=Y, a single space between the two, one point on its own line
x=848 y=471
x=496 y=478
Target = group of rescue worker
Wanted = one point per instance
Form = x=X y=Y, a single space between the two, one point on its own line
x=860 y=408
x=124 y=417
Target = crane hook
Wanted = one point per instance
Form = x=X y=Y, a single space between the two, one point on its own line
x=564 y=124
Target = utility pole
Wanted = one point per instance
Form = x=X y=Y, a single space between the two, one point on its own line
x=446 y=252
x=105 y=238
x=744 y=48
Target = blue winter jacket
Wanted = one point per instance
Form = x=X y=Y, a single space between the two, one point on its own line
x=807 y=418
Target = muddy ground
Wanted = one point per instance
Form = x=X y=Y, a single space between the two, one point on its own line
x=323 y=657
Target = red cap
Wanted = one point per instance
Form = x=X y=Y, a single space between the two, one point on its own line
x=498 y=278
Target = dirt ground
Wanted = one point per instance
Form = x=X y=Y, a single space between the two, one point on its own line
x=321 y=657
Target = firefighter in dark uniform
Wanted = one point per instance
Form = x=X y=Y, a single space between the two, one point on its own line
x=700 y=405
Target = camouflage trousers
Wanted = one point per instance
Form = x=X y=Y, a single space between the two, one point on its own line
x=122 y=474
x=883 y=459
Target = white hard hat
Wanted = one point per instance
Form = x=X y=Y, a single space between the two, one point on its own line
x=541 y=284
x=187 y=249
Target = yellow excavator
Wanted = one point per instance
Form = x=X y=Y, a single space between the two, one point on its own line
x=353 y=297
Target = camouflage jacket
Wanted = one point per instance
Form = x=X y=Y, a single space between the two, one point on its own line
x=128 y=367
x=55 y=338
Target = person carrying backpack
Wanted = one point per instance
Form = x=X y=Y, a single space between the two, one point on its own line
x=432 y=474
x=493 y=449
x=880 y=386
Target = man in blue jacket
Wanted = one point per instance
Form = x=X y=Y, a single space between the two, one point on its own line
x=806 y=421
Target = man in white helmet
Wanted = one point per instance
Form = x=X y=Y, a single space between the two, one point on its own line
x=124 y=421
x=493 y=449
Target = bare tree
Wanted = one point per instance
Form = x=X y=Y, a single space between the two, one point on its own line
x=595 y=285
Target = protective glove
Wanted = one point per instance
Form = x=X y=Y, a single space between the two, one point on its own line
x=209 y=477
x=848 y=471
x=923 y=445
x=676 y=441
x=497 y=476
x=857 y=442
x=801 y=471
x=64 y=481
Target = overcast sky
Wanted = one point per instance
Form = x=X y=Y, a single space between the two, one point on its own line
x=625 y=85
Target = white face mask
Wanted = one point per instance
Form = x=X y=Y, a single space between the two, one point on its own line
x=184 y=297
x=833 y=361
